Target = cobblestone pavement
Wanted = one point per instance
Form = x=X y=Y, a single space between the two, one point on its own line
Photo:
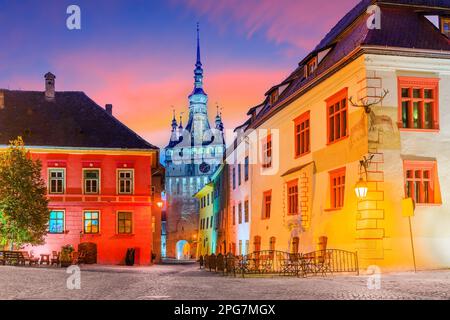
x=188 y=282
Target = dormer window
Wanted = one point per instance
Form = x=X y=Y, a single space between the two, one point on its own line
x=311 y=66
x=273 y=97
x=445 y=26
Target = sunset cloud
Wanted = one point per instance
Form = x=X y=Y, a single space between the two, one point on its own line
x=299 y=23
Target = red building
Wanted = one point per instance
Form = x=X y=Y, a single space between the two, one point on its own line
x=98 y=172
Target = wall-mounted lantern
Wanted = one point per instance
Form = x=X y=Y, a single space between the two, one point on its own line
x=361 y=187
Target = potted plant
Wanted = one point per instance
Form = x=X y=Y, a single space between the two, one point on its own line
x=66 y=256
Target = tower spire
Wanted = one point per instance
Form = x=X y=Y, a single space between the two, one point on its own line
x=198 y=72
x=198 y=63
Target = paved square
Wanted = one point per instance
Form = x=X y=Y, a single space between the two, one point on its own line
x=188 y=282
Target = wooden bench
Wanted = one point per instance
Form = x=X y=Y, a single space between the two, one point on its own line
x=13 y=258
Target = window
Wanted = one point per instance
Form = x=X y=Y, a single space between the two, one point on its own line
x=246 y=212
x=126 y=182
x=124 y=223
x=211 y=222
x=445 y=26
x=267 y=152
x=246 y=167
x=207 y=222
x=257 y=243
x=91 y=222
x=273 y=97
x=91 y=181
x=292 y=199
x=267 y=200
x=207 y=199
x=337 y=184
x=234 y=215
x=56 y=180
x=420 y=177
x=337 y=116
x=247 y=246
x=295 y=242
x=302 y=136
x=310 y=67
x=234 y=178
x=239 y=174
x=272 y=243
x=56 y=222
x=418 y=103
x=240 y=213
x=240 y=247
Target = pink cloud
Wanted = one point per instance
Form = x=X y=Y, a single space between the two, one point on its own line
x=143 y=90
x=301 y=23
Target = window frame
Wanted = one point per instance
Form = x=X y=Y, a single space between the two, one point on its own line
x=49 y=178
x=267 y=151
x=442 y=21
x=98 y=181
x=240 y=213
x=266 y=213
x=422 y=84
x=84 y=221
x=118 y=223
x=246 y=211
x=132 y=181
x=63 y=221
x=422 y=166
x=246 y=168
x=337 y=174
x=306 y=132
x=290 y=205
x=343 y=120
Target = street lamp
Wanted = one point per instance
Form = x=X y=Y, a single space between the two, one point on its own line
x=361 y=189
x=159 y=204
x=361 y=186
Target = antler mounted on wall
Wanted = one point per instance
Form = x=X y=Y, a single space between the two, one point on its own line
x=364 y=103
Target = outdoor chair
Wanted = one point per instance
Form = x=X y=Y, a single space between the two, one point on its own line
x=74 y=257
x=81 y=257
x=55 y=258
x=29 y=258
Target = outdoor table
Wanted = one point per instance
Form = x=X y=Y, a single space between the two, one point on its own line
x=45 y=258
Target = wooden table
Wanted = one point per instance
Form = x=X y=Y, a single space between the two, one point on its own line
x=45 y=258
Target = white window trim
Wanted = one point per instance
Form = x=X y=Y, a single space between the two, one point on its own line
x=49 y=179
x=99 y=181
x=132 y=222
x=64 y=221
x=99 y=221
x=118 y=170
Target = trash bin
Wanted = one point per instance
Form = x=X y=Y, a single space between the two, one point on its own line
x=129 y=258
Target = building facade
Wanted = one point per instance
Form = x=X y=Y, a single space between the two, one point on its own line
x=366 y=105
x=98 y=172
x=191 y=157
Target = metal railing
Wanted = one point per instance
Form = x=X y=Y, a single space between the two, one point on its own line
x=271 y=262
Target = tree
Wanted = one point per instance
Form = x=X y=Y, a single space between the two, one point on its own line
x=24 y=212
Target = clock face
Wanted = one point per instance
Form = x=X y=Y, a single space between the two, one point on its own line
x=204 y=167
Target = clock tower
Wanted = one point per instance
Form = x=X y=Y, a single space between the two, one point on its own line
x=192 y=156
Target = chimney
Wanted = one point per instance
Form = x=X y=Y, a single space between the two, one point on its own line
x=108 y=109
x=2 y=99
x=50 y=86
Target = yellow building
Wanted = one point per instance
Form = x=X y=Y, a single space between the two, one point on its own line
x=206 y=230
x=363 y=94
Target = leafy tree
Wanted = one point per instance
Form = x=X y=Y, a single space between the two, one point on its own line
x=24 y=212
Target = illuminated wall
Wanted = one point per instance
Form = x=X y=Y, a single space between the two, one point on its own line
x=374 y=227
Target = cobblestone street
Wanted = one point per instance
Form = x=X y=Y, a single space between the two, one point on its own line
x=188 y=282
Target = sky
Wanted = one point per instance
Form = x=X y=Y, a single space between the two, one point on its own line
x=139 y=55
